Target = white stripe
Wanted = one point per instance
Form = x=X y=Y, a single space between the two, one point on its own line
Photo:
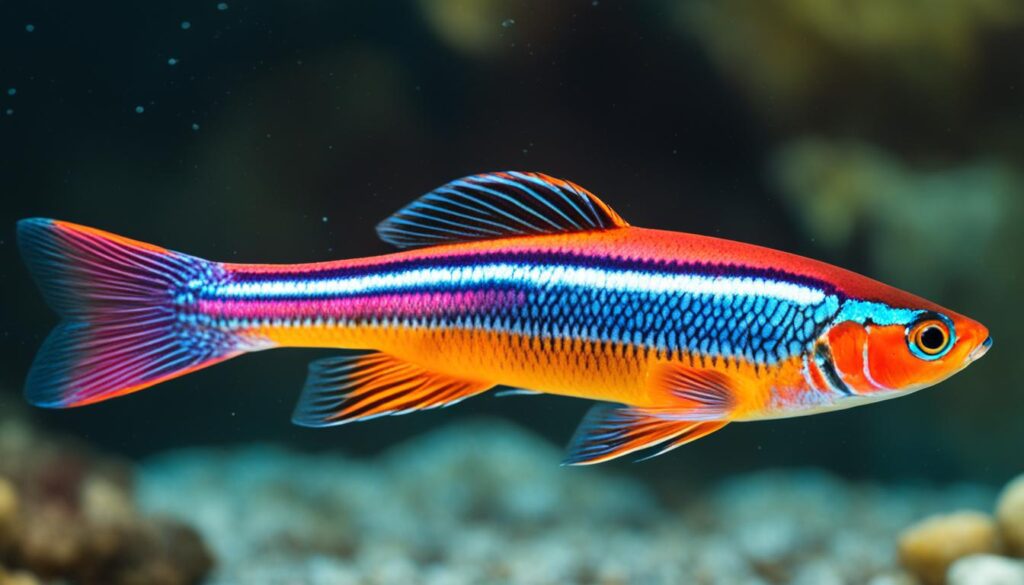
x=806 y=371
x=541 y=276
x=867 y=366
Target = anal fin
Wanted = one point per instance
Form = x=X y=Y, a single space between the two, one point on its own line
x=609 y=431
x=344 y=389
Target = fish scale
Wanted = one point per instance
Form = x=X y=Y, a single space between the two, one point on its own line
x=516 y=279
x=706 y=330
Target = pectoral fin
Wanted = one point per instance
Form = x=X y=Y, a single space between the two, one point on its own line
x=609 y=431
x=352 y=388
x=700 y=392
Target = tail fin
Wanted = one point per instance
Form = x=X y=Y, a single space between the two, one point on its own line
x=128 y=314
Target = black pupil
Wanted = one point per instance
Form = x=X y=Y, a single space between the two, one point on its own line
x=932 y=338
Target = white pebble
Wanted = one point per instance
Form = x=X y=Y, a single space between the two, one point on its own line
x=986 y=570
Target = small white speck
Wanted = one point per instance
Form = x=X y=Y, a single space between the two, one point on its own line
x=222 y=6
x=324 y=219
x=195 y=127
x=139 y=109
x=508 y=22
x=172 y=61
x=12 y=91
x=30 y=28
x=9 y=111
x=185 y=25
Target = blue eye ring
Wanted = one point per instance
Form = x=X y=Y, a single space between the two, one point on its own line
x=931 y=336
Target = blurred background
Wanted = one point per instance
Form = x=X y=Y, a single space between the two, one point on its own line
x=886 y=137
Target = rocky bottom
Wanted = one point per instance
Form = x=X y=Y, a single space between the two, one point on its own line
x=487 y=503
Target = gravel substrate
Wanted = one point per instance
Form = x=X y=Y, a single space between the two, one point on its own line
x=488 y=503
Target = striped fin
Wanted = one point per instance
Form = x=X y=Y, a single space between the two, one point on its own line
x=609 y=431
x=700 y=389
x=344 y=389
x=497 y=205
x=126 y=315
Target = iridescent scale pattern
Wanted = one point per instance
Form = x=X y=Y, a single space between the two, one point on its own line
x=707 y=311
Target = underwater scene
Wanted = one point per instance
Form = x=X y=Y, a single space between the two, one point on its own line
x=454 y=292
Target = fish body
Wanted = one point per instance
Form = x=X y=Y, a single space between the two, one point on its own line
x=514 y=279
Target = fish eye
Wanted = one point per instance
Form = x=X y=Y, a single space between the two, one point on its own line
x=930 y=338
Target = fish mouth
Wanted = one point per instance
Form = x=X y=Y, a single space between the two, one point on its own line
x=981 y=350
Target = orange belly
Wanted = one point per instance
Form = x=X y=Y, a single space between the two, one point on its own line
x=595 y=371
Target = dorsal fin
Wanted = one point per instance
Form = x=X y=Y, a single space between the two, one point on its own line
x=497 y=205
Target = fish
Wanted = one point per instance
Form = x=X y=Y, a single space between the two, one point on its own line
x=514 y=279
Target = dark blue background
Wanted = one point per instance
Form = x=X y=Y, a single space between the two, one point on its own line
x=347 y=110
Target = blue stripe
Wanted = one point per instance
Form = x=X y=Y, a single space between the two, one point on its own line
x=708 y=325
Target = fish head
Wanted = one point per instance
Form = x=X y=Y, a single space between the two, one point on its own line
x=878 y=350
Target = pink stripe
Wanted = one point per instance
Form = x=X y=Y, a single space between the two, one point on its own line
x=414 y=304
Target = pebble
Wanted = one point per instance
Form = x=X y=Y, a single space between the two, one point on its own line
x=928 y=548
x=1010 y=516
x=17 y=578
x=105 y=503
x=893 y=578
x=8 y=504
x=818 y=573
x=986 y=570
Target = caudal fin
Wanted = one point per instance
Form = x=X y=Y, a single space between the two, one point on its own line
x=128 y=313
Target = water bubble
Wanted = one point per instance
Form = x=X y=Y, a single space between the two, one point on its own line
x=222 y=6
x=12 y=91
x=30 y=28
x=139 y=109
x=195 y=127
x=324 y=219
x=508 y=22
x=172 y=61
x=185 y=25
